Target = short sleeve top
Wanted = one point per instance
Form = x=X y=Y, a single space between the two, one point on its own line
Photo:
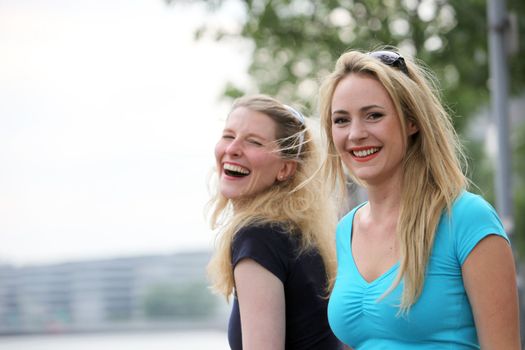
x=303 y=277
x=442 y=316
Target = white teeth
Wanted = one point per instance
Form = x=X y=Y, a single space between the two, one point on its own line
x=365 y=152
x=236 y=168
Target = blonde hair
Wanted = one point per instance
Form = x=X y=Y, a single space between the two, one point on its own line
x=301 y=205
x=432 y=175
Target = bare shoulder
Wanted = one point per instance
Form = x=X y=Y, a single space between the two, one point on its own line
x=490 y=281
x=262 y=306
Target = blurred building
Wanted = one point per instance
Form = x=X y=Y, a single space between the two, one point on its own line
x=103 y=294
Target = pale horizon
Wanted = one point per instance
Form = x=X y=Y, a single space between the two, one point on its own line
x=109 y=117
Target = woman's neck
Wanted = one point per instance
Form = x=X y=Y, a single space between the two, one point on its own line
x=384 y=201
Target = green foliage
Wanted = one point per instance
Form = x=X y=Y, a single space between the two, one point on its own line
x=518 y=162
x=480 y=169
x=187 y=301
x=296 y=43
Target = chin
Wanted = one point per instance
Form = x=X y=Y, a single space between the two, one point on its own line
x=229 y=195
x=233 y=193
x=364 y=176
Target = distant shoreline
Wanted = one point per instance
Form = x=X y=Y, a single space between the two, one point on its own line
x=125 y=327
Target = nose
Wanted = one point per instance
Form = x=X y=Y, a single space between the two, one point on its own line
x=358 y=130
x=234 y=148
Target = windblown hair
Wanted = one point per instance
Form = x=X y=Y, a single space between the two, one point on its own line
x=299 y=204
x=432 y=167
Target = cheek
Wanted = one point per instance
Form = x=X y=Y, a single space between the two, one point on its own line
x=338 y=138
x=219 y=151
x=266 y=165
x=265 y=161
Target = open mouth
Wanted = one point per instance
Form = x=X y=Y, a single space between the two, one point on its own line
x=365 y=152
x=235 y=170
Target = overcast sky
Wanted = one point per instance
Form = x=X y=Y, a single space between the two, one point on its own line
x=109 y=112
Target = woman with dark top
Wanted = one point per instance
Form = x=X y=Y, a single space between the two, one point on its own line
x=274 y=250
x=423 y=263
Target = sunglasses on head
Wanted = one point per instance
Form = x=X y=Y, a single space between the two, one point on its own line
x=392 y=59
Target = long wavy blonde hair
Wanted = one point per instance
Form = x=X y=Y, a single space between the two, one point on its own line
x=432 y=167
x=301 y=204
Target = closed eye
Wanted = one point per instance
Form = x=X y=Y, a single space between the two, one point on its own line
x=255 y=142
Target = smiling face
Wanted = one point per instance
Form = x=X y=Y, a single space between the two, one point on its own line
x=247 y=156
x=366 y=129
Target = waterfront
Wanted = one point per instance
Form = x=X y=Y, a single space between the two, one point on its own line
x=176 y=340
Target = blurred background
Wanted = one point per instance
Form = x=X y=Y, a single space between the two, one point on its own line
x=109 y=112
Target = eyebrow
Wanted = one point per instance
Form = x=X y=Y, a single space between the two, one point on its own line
x=362 y=109
x=248 y=135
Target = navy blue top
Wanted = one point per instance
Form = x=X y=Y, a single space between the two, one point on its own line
x=303 y=277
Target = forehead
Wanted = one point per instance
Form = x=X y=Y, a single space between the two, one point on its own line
x=247 y=121
x=360 y=90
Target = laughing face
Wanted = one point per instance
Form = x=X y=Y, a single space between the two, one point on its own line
x=366 y=129
x=247 y=156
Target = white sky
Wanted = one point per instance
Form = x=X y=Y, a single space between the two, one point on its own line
x=109 y=112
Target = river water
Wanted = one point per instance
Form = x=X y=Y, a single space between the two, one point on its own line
x=177 y=340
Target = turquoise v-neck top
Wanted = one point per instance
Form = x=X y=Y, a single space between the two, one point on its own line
x=442 y=317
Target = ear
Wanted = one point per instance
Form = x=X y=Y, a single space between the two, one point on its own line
x=287 y=170
x=412 y=128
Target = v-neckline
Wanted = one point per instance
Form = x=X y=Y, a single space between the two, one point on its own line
x=389 y=271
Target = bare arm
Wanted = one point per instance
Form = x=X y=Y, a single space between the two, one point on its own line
x=262 y=306
x=490 y=281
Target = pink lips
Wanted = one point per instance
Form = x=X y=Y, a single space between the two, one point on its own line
x=234 y=171
x=367 y=153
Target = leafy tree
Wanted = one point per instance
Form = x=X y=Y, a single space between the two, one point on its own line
x=296 y=43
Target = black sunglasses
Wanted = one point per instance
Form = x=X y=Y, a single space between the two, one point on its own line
x=392 y=59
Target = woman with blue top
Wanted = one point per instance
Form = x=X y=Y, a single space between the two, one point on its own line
x=275 y=250
x=423 y=264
